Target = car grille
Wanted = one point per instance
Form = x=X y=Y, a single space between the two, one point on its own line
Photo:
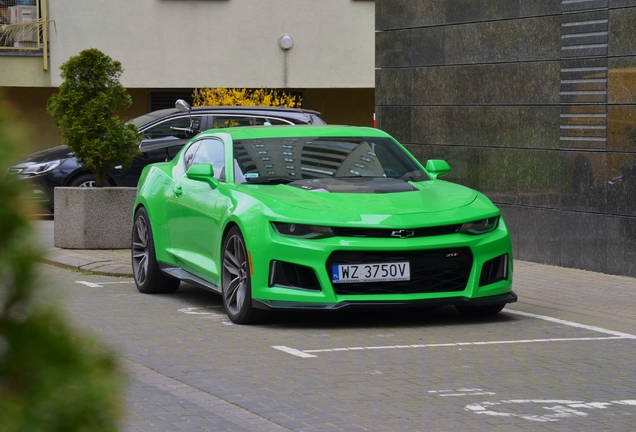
x=440 y=270
x=402 y=233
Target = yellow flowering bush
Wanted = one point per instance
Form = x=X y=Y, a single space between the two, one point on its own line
x=221 y=96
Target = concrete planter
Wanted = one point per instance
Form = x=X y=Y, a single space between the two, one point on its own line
x=93 y=218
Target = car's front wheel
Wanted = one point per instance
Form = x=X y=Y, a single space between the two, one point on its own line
x=236 y=281
x=485 y=310
x=83 y=180
x=148 y=278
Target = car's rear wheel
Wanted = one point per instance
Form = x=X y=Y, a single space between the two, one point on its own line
x=236 y=281
x=485 y=310
x=148 y=278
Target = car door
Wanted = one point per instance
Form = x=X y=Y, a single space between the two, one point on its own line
x=195 y=210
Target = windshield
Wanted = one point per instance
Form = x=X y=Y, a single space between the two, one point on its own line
x=278 y=160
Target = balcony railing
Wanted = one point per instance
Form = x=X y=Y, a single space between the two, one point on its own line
x=24 y=26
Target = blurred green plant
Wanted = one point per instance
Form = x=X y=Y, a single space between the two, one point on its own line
x=51 y=378
x=85 y=110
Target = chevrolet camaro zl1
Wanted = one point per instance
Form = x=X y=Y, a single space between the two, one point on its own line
x=320 y=218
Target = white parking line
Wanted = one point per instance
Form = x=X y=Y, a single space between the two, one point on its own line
x=572 y=324
x=561 y=409
x=292 y=351
x=100 y=284
x=615 y=336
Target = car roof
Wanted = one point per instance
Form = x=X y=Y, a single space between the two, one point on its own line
x=298 y=131
x=293 y=113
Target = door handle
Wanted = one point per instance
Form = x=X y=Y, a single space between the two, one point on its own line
x=177 y=191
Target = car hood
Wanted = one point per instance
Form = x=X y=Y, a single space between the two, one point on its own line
x=49 y=154
x=445 y=200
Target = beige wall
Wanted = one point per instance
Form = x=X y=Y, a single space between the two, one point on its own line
x=232 y=43
x=21 y=71
x=168 y=44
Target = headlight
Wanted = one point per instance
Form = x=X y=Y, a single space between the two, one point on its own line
x=41 y=168
x=302 y=231
x=481 y=226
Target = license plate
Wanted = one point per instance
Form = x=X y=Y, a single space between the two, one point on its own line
x=371 y=272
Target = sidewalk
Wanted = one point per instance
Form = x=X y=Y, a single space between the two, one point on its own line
x=600 y=296
x=115 y=262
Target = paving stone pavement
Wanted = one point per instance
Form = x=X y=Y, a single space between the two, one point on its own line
x=199 y=372
x=539 y=284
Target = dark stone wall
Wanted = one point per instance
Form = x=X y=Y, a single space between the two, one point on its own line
x=532 y=102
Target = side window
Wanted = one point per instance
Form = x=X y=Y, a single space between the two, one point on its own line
x=164 y=129
x=232 y=121
x=188 y=157
x=211 y=151
x=272 y=121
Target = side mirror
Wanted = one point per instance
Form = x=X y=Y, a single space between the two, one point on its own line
x=182 y=105
x=204 y=173
x=437 y=167
x=193 y=129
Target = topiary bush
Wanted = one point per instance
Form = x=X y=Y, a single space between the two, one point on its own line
x=85 y=110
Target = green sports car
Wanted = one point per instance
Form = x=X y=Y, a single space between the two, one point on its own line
x=317 y=218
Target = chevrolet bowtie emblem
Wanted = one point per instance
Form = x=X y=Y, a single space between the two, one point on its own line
x=403 y=233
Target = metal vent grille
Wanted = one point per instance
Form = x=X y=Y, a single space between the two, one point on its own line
x=583 y=94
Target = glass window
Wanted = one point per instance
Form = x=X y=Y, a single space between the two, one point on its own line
x=211 y=151
x=188 y=158
x=164 y=129
x=272 y=121
x=279 y=160
x=232 y=121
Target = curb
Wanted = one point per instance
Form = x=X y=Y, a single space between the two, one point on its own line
x=102 y=262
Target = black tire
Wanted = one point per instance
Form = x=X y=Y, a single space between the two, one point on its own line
x=486 y=310
x=236 y=284
x=148 y=278
x=83 y=180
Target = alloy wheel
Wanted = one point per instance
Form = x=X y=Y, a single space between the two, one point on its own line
x=140 y=250
x=235 y=274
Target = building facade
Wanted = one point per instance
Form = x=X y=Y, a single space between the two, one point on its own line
x=170 y=47
x=532 y=102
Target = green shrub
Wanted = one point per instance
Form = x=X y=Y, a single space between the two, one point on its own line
x=84 y=111
x=51 y=379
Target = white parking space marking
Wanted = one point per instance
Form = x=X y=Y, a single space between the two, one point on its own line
x=571 y=324
x=292 y=351
x=100 y=284
x=462 y=392
x=208 y=312
x=558 y=409
x=614 y=336
x=442 y=345
x=195 y=311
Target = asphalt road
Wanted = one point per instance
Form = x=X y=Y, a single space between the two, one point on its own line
x=191 y=369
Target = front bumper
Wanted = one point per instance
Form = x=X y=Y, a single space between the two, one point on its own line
x=510 y=297
x=323 y=294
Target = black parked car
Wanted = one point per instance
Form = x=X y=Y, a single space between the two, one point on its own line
x=164 y=133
